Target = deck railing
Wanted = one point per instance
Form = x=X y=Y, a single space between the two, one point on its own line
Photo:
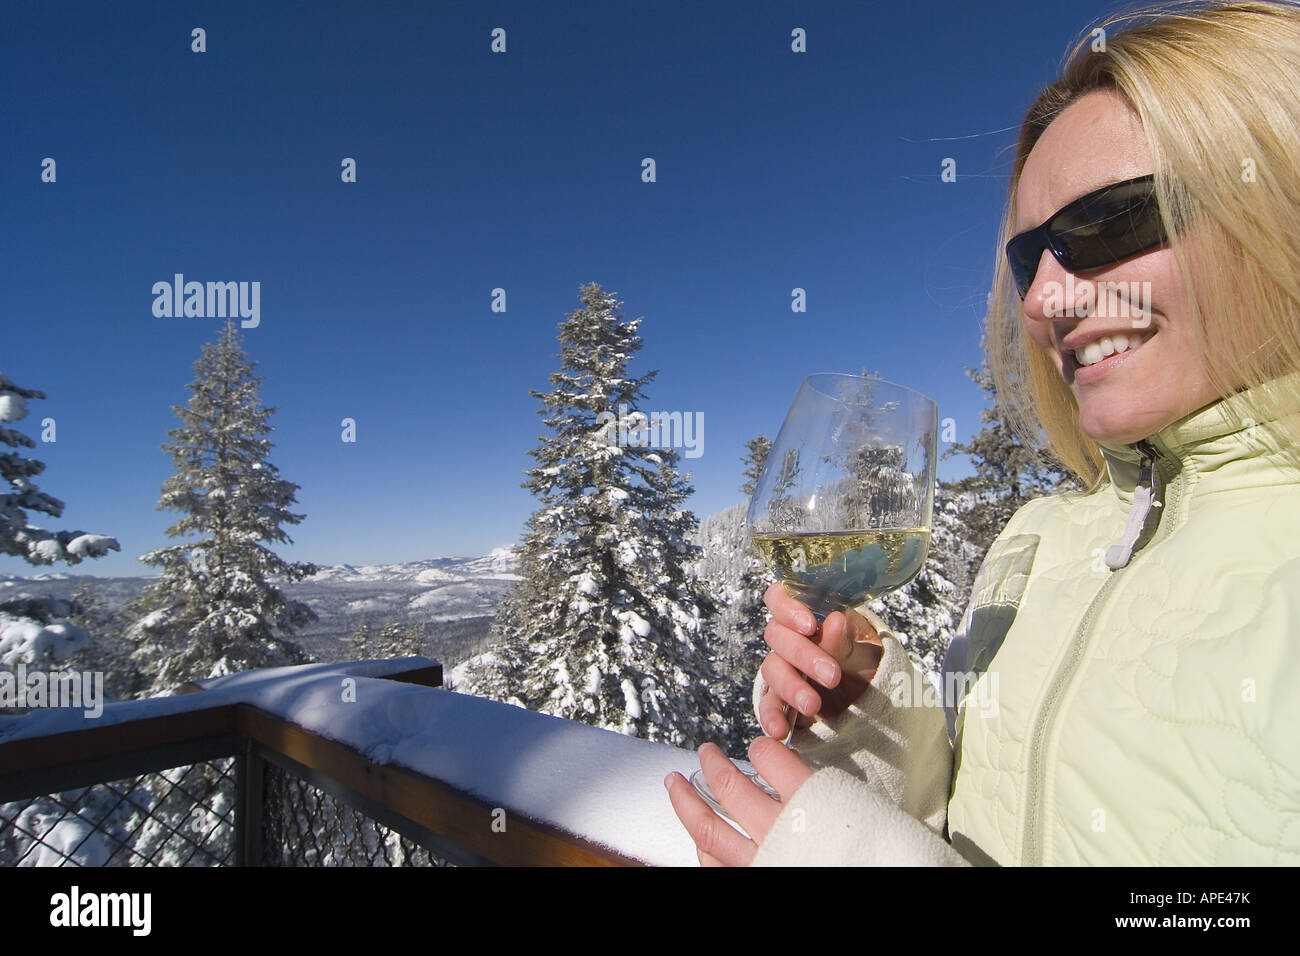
x=217 y=780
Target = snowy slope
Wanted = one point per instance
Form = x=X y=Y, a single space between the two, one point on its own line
x=455 y=596
x=497 y=565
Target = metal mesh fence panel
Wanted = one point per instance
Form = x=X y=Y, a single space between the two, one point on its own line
x=183 y=816
x=304 y=826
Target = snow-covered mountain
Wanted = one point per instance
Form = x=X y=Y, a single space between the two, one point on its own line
x=433 y=590
x=499 y=564
x=455 y=597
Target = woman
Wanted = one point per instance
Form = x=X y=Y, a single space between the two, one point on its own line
x=1140 y=640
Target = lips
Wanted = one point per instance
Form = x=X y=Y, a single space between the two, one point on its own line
x=1080 y=374
x=1117 y=343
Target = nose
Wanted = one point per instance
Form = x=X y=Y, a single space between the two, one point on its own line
x=1048 y=315
x=1044 y=257
x=1045 y=298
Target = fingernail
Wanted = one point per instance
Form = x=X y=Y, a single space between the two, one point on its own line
x=807 y=703
x=825 y=672
x=668 y=782
x=808 y=623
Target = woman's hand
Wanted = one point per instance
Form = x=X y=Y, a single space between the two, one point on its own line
x=717 y=843
x=839 y=662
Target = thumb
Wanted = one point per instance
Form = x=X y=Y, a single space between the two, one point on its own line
x=862 y=632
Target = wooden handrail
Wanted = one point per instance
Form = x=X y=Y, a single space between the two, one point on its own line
x=461 y=818
x=82 y=757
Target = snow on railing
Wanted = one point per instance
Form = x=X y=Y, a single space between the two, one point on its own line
x=508 y=783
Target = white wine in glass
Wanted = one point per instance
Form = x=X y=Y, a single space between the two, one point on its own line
x=841 y=510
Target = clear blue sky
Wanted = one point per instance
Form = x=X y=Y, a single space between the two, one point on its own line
x=475 y=170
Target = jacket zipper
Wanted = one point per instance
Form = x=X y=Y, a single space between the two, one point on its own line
x=1032 y=839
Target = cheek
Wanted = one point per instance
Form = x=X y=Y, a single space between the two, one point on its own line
x=1038 y=331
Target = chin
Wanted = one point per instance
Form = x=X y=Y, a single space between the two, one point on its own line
x=1112 y=429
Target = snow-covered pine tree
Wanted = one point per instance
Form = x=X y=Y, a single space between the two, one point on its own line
x=756 y=450
x=607 y=626
x=106 y=649
x=751 y=614
x=924 y=613
x=214 y=609
x=360 y=639
x=29 y=633
x=34 y=545
x=390 y=637
x=416 y=633
x=736 y=575
x=400 y=640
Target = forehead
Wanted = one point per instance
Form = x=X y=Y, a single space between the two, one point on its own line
x=1095 y=141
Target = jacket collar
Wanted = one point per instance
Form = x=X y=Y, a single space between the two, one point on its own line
x=1227 y=434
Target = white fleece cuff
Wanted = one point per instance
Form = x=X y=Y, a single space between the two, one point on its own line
x=836 y=820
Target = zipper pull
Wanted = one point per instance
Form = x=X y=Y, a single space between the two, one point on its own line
x=1144 y=499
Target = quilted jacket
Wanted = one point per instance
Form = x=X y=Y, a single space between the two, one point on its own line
x=1129 y=680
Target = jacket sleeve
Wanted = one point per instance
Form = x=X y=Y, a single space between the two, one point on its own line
x=882 y=777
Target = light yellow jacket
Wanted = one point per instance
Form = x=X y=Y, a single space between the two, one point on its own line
x=1132 y=683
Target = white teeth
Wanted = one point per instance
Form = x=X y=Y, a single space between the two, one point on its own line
x=1094 y=352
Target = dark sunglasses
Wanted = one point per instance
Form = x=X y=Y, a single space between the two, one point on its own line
x=1105 y=226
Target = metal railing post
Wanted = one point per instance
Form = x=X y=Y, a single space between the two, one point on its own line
x=249 y=806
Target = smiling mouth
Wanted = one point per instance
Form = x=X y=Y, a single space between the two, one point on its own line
x=1108 y=346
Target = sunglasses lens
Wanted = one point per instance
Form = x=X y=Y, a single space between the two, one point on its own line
x=1119 y=223
x=1094 y=231
x=1023 y=255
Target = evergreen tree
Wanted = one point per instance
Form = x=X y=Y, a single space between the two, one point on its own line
x=390 y=636
x=400 y=640
x=745 y=645
x=34 y=545
x=756 y=450
x=30 y=632
x=607 y=625
x=736 y=577
x=106 y=649
x=214 y=610
x=359 y=640
x=747 y=615
x=925 y=612
x=417 y=638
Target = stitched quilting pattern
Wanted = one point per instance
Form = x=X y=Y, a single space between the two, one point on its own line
x=1167 y=745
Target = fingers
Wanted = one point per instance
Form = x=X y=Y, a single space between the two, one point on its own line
x=794 y=658
x=741 y=797
x=786 y=686
x=787 y=611
x=807 y=667
x=717 y=843
x=783 y=769
x=838 y=646
x=779 y=766
x=706 y=860
x=804 y=655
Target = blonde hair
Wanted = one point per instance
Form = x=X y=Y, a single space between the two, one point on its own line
x=1216 y=87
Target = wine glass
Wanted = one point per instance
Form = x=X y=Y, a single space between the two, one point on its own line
x=841 y=510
